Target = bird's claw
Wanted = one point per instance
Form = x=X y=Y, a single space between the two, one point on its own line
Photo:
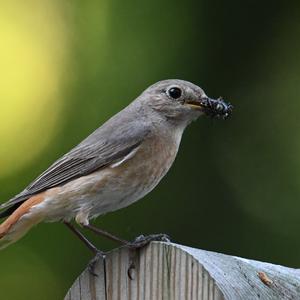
x=143 y=240
x=93 y=262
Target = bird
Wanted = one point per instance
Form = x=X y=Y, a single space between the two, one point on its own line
x=115 y=166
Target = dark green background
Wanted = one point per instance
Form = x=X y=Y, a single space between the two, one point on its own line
x=235 y=185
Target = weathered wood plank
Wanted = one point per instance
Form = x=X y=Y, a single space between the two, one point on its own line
x=169 y=271
x=88 y=286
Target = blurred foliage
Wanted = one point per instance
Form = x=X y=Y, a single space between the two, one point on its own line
x=67 y=66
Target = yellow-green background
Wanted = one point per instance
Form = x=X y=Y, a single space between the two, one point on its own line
x=66 y=66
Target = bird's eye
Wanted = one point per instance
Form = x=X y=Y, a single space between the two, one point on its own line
x=174 y=92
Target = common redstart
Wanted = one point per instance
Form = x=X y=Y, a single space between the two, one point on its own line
x=118 y=164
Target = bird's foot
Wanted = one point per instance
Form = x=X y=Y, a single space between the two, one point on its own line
x=143 y=240
x=92 y=264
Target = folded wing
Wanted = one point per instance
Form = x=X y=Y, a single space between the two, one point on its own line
x=92 y=154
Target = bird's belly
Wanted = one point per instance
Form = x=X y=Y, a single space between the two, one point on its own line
x=110 y=188
x=127 y=185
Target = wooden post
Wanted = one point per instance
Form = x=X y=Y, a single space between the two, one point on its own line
x=174 y=272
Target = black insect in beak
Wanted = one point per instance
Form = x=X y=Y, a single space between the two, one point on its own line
x=216 y=108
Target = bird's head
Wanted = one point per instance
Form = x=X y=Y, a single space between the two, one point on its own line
x=182 y=101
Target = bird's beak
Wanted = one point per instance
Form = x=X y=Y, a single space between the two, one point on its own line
x=216 y=108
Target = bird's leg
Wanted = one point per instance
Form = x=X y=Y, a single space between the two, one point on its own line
x=97 y=252
x=105 y=234
x=82 y=238
x=139 y=242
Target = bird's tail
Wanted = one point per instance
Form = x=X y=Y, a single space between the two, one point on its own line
x=20 y=221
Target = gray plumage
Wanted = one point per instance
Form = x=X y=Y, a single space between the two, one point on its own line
x=116 y=165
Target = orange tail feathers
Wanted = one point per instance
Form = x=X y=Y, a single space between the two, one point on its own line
x=20 y=221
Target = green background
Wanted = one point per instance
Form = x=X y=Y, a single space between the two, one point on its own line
x=235 y=185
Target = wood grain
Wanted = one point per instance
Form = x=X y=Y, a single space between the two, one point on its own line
x=165 y=271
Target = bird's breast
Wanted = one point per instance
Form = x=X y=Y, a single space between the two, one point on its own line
x=146 y=168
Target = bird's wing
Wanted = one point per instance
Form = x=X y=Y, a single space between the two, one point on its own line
x=92 y=154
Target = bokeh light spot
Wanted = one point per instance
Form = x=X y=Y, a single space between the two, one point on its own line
x=32 y=59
